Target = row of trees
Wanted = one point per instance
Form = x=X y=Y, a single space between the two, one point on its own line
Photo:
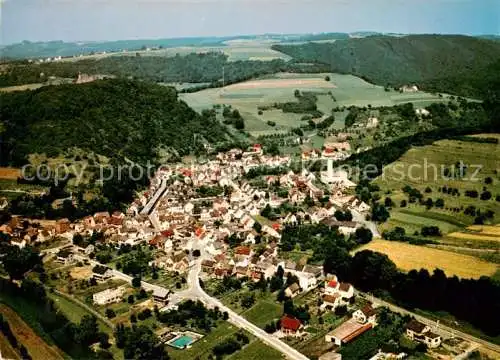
x=468 y=299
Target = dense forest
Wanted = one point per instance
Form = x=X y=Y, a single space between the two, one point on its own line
x=194 y=68
x=444 y=63
x=115 y=118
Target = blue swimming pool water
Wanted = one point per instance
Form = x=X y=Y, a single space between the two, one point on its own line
x=182 y=342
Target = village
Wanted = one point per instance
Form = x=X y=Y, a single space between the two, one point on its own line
x=210 y=232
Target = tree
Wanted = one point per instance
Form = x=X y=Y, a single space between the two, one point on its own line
x=130 y=299
x=136 y=282
x=485 y=195
x=239 y=123
x=88 y=331
x=104 y=340
x=248 y=301
x=78 y=239
x=379 y=213
x=327 y=78
x=17 y=262
x=363 y=235
x=110 y=313
x=388 y=202
x=142 y=344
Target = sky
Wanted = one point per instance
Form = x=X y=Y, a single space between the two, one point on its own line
x=95 y=20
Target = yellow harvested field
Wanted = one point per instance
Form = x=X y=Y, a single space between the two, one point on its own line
x=9 y=173
x=36 y=347
x=281 y=84
x=479 y=232
x=408 y=257
x=470 y=236
x=81 y=273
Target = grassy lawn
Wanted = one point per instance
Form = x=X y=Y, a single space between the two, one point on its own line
x=256 y=350
x=263 y=312
x=75 y=312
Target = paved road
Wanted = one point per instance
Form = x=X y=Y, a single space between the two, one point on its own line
x=443 y=330
x=360 y=218
x=195 y=291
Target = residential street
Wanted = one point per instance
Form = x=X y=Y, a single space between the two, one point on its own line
x=443 y=330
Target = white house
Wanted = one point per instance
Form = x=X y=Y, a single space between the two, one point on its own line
x=346 y=290
x=108 y=296
x=331 y=301
x=417 y=331
x=365 y=315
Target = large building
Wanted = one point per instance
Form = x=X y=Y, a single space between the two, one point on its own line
x=108 y=296
x=347 y=332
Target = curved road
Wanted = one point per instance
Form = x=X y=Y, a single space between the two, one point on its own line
x=442 y=329
x=195 y=291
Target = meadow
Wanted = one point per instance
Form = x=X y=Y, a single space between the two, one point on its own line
x=423 y=167
x=277 y=88
x=408 y=257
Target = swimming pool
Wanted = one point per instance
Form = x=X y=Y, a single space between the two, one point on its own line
x=181 y=342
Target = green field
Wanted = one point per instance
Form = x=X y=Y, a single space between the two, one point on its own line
x=410 y=170
x=263 y=312
x=256 y=350
x=347 y=89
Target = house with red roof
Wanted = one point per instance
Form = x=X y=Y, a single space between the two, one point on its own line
x=290 y=326
x=243 y=250
x=332 y=286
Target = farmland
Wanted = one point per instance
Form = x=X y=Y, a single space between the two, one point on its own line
x=347 y=90
x=422 y=168
x=408 y=257
x=236 y=50
x=9 y=173
x=36 y=347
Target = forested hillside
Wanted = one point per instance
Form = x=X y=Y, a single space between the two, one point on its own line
x=201 y=68
x=116 y=118
x=445 y=63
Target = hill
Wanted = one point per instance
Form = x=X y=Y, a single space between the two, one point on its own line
x=191 y=68
x=115 y=118
x=426 y=60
